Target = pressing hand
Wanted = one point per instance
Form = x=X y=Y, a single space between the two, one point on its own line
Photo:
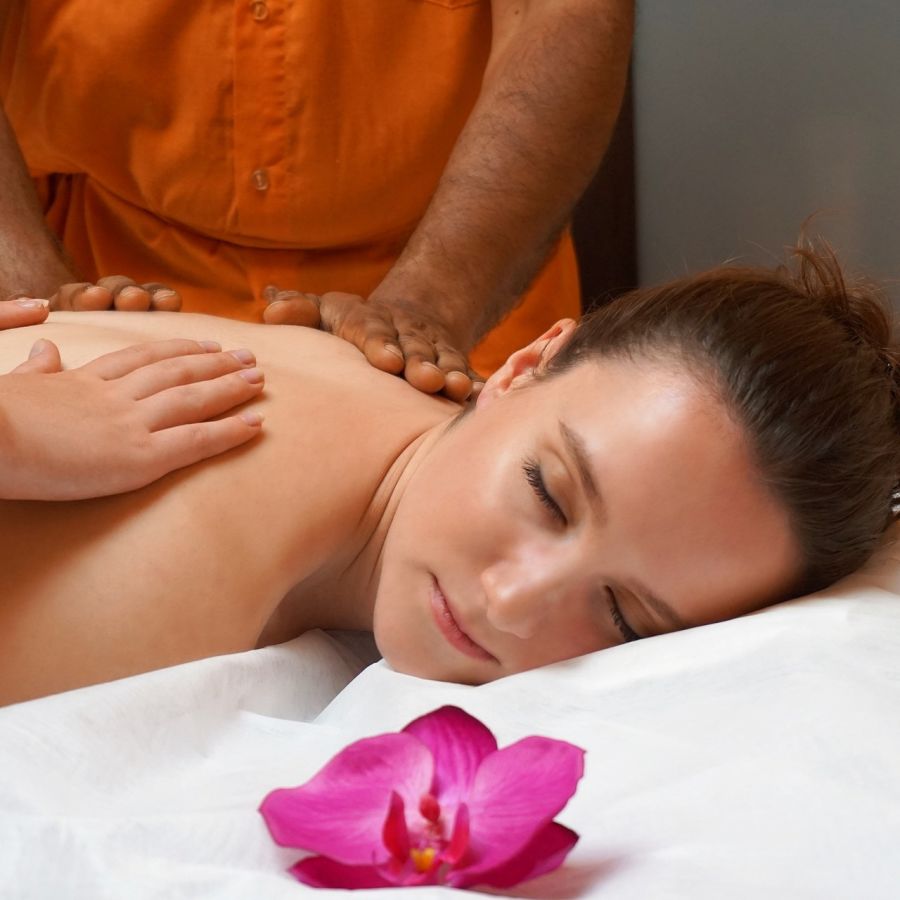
x=395 y=337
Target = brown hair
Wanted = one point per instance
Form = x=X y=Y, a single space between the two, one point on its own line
x=804 y=361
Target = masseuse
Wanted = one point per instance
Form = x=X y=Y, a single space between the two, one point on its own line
x=409 y=164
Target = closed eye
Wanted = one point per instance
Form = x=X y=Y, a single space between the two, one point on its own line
x=627 y=632
x=535 y=478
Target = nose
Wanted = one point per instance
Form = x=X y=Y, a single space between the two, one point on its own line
x=522 y=592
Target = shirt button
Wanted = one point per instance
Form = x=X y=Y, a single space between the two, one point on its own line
x=261 y=179
x=259 y=10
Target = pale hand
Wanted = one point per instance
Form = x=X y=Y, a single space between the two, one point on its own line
x=395 y=337
x=22 y=312
x=121 y=421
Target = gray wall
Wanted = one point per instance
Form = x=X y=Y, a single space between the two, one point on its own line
x=751 y=116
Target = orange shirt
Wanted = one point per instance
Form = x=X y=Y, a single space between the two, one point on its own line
x=222 y=147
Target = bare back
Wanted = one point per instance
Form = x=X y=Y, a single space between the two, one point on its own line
x=197 y=563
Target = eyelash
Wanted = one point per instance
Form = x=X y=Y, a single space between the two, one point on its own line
x=627 y=632
x=535 y=478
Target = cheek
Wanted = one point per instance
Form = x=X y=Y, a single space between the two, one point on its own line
x=557 y=645
x=571 y=627
x=400 y=622
x=458 y=504
x=393 y=642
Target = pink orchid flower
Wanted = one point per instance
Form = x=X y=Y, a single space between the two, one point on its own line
x=436 y=803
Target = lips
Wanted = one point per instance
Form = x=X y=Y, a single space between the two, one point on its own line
x=450 y=629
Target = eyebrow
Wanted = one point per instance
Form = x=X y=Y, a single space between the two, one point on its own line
x=578 y=451
x=660 y=607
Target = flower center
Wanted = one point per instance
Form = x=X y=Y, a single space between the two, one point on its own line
x=424 y=855
x=422 y=858
x=427 y=849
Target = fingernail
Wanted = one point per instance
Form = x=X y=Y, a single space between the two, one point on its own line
x=31 y=303
x=211 y=346
x=393 y=348
x=243 y=356
x=251 y=418
x=163 y=295
x=431 y=365
x=38 y=348
x=254 y=376
x=131 y=290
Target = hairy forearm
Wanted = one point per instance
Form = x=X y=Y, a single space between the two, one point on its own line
x=31 y=260
x=548 y=105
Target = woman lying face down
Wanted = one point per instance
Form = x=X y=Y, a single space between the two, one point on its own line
x=685 y=455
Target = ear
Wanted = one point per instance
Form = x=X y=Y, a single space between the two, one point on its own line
x=522 y=365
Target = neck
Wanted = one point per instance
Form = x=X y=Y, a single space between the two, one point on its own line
x=342 y=595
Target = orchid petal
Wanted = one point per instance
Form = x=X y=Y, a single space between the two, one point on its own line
x=459 y=840
x=544 y=853
x=517 y=792
x=322 y=872
x=395 y=834
x=340 y=812
x=459 y=743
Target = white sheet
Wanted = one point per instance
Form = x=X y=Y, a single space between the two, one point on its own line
x=758 y=758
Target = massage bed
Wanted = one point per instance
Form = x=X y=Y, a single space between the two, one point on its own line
x=757 y=758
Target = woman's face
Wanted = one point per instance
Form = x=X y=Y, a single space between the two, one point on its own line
x=565 y=516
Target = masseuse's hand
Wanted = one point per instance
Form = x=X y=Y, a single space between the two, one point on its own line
x=395 y=337
x=122 y=420
x=115 y=292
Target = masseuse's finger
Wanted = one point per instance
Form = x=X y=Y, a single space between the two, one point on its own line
x=121 y=362
x=459 y=379
x=201 y=400
x=127 y=295
x=457 y=386
x=19 y=311
x=43 y=357
x=292 y=308
x=162 y=298
x=174 y=448
x=421 y=370
x=81 y=296
x=180 y=370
